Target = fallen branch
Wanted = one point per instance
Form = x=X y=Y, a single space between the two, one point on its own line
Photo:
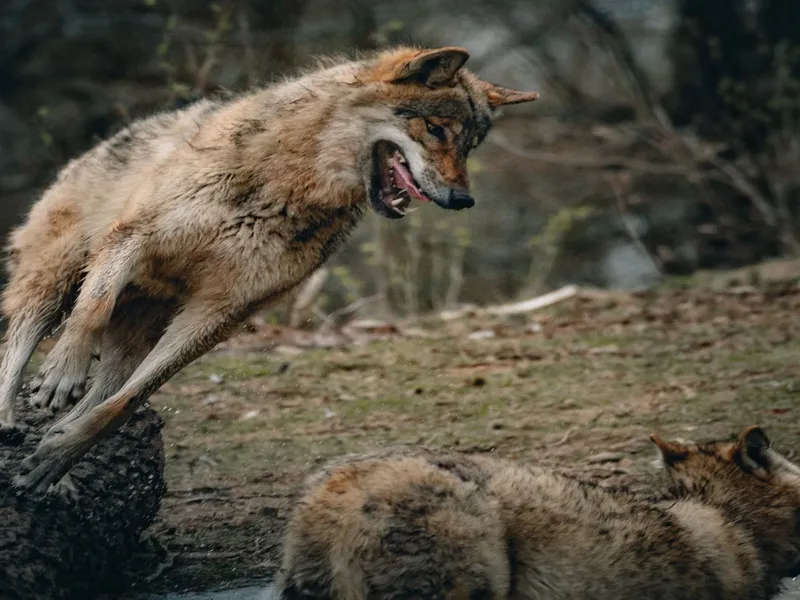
x=341 y=316
x=515 y=308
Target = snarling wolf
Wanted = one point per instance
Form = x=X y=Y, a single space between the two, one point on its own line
x=162 y=238
x=429 y=526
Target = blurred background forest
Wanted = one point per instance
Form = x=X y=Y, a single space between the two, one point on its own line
x=665 y=141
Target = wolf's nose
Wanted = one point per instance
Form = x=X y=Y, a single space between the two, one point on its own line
x=460 y=199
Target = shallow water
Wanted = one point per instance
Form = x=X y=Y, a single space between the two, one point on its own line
x=791 y=590
x=244 y=593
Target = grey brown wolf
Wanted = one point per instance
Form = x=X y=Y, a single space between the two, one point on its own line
x=162 y=238
x=424 y=525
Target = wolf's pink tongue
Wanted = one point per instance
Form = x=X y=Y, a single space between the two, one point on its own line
x=403 y=179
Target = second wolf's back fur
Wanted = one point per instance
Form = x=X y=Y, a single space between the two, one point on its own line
x=422 y=525
x=403 y=529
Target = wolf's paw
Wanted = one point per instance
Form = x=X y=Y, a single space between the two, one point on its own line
x=65 y=488
x=60 y=381
x=46 y=466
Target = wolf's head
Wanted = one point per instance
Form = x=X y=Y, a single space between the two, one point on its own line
x=428 y=113
x=750 y=482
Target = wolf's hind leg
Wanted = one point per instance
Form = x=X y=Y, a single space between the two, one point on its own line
x=132 y=333
x=63 y=375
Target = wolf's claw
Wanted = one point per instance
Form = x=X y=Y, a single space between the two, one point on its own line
x=65 y=488
x=46 y=466
x=59 y=384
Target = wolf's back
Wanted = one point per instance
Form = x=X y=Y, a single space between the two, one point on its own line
x=398 y=527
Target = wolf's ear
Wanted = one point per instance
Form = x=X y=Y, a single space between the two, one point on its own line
x=429 y=67
x=671 y=452
x=752 y=449
x=500 y=96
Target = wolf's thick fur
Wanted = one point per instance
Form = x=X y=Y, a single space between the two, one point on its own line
x=422 y=525
x=171 y=232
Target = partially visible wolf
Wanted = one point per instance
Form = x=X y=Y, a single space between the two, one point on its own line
x=426 y=526
x=174 y=230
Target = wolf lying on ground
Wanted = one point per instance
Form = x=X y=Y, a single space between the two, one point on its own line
x=175 y=229
x=420 y=525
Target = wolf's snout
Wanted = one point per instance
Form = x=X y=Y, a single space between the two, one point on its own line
x=455 y=200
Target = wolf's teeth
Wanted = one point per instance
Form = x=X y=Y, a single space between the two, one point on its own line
x=397 y=202
x=402 y=159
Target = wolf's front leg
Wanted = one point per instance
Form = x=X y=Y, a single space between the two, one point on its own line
x=197 y=328
x=24 y=334
x=63 y=374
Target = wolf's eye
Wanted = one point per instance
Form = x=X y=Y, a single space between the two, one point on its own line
x=436 y=131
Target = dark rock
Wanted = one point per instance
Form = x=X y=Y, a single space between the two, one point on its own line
x=63 y=546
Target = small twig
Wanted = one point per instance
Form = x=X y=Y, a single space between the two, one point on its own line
x=327 y=322
x=338 y=317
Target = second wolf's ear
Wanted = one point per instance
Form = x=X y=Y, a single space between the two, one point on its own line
x=499 y=96
x=751 y=450
x=671 y=452
x=429 y=67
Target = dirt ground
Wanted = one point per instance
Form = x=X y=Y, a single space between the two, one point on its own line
x=580 y=385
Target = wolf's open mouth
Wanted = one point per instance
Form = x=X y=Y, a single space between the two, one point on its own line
x=393 y=186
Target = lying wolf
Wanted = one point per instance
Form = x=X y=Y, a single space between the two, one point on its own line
x=164 y=237
x=421 y=525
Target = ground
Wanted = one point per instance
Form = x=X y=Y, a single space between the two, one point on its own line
x=580 y=384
